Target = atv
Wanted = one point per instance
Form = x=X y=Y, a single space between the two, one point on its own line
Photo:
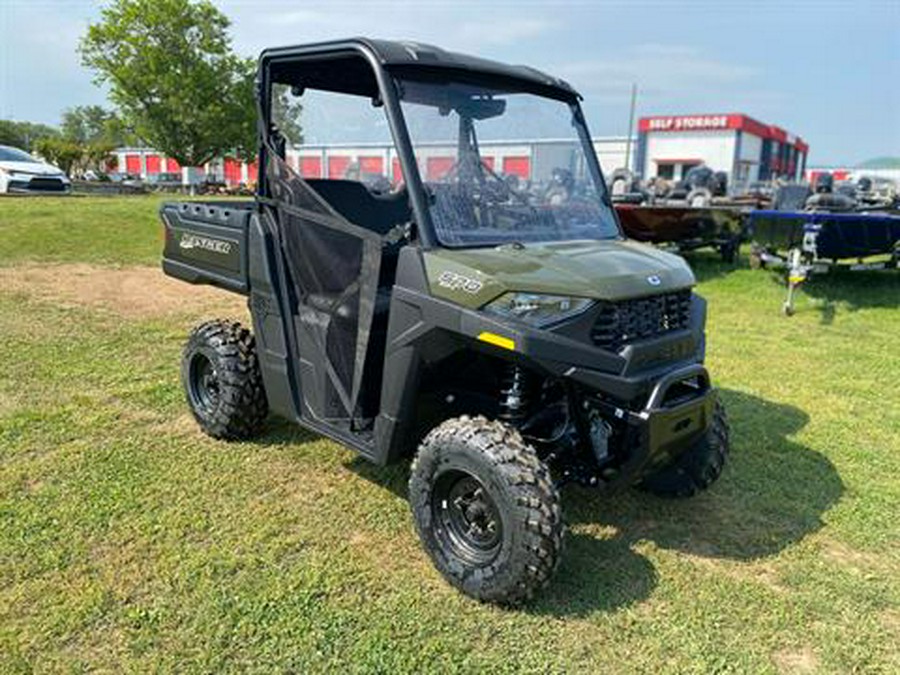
x=506 y=341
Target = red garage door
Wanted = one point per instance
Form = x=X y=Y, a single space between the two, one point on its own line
x=311 y=167
x=252 y=171
x=337 y=166
x=438 y=167
x=154 y=163
x=371 y=165
x=172 y=165
x=517 y=166
x=232 y=171
x=396 y=171
x=132 y=164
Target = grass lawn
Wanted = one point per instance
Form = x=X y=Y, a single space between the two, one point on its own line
x=130 y=542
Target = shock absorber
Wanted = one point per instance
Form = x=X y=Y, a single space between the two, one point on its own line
x=515 y=395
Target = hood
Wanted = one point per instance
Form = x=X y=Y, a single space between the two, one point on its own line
x=35 y=168
x=602 y=270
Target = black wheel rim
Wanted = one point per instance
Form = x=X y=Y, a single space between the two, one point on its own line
x=467 y=521
x=203 y=383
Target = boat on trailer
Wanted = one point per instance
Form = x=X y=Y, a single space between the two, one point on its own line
x=828 y=233
x=686 y=228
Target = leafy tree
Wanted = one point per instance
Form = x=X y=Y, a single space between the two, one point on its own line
x=60 y=152
x=286 y=110
x=172 y=74
x=97 y=155
x=24 y=134
x=95 y=124
x=84 y=123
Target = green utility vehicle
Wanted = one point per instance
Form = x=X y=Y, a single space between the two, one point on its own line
x=475 y=310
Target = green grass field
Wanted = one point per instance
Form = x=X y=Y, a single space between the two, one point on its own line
x=130 y=542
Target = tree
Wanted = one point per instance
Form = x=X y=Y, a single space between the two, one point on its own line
x=286 y=112
x=24 y=134
x=95 y=124
x=60 y=152
x=172 y=74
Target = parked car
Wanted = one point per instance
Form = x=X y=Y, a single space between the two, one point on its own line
x=165 y=182
x=125 y=178
x=20 y=172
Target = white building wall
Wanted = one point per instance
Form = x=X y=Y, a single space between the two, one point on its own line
x=713 y=148
x=611 y=153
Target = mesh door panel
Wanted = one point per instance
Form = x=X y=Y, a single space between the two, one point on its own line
x=334 y=266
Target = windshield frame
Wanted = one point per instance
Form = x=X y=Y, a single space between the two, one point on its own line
x=513 y=86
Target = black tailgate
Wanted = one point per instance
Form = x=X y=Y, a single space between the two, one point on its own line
x=206 y=242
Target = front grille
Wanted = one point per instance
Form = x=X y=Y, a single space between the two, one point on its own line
x=623 y=322
x=46 y=185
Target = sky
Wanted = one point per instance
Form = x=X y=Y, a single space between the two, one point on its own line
x=827 y=71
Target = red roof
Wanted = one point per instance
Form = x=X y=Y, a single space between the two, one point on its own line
x=717 y=122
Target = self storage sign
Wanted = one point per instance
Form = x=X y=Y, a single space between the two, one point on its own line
x=687 y=123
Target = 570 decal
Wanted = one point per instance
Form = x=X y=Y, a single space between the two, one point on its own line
x=458 y=282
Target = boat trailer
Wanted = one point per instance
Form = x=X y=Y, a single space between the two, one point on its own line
x=813 y=242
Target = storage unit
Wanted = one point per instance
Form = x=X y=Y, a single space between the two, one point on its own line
x=133 y=164
x=154 y=164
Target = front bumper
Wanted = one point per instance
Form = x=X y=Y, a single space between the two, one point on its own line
x=678 y=412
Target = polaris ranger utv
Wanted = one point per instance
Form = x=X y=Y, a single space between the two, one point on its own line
x=476 y=309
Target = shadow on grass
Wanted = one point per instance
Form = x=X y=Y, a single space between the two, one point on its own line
x=773 y=493
x=280 y=432
x=846 y=290
x=854 y=290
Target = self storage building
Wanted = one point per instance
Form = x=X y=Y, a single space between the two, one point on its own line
x=746 y=149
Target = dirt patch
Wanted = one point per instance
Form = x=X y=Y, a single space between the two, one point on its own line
x=7 y=404
x=851 y=558
x=760 y=572
x=133 y=292
x=802 y=660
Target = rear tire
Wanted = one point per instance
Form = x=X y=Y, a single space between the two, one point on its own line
x=698 y=467
x=222 y=382
x=486 y=510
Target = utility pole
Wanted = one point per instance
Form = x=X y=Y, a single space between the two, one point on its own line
x=630 y=126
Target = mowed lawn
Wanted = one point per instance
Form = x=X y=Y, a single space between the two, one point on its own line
x=129 y=542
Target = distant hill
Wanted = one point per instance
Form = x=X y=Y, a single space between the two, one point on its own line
x=880 y=163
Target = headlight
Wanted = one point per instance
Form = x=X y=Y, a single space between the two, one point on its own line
x=537 y=310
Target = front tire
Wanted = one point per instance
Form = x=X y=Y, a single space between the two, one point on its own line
x=222 y=381
x=486 y=510
x=698 y=467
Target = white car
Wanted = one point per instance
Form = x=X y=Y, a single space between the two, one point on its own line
x=20 y=172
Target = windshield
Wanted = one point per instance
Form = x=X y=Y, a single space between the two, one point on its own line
x=503 y=166
x=8 y=154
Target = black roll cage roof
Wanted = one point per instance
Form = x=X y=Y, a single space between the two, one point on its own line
x=396 y=58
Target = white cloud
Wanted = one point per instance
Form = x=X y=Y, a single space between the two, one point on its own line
x=504 y=31
x=663 y=70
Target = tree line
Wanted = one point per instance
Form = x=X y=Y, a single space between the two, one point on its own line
x=84 y=140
